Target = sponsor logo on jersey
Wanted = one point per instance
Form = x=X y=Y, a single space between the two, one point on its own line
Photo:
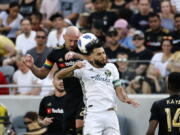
x=52 y=110
x=60 y=60
x=99 y=78
x=108 y=73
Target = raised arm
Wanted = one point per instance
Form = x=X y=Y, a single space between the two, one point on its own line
x=38 y=72
x=68 y=72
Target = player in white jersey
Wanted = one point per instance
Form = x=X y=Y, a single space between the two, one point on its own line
x=101 y=85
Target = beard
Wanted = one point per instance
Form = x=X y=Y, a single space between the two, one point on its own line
x=100 y=64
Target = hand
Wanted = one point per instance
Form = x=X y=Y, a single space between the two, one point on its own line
x=70 y=55
x=28 y=61
x=78 y=65
x=133 y=102
x=47 y=121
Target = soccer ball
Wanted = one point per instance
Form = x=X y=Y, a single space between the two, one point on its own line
x=84 y=41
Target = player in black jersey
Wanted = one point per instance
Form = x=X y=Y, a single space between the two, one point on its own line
x=166 y=112
x=54 y=111
x=57 y=56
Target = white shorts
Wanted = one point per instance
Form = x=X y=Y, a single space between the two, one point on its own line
x=101 y=123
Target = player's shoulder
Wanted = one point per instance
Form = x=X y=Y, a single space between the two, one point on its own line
x=110 y=65
x=59 y=47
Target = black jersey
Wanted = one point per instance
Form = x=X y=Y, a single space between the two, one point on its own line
x=167 y=113
x=63 y=113
x=71 y=84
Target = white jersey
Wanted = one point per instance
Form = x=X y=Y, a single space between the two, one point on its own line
x=99 y=92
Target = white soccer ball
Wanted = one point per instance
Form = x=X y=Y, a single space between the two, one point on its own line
x=84 y=41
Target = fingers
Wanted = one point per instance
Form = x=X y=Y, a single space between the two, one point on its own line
x=69 y=55
x=48 y=121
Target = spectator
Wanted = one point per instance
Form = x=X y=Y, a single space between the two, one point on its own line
x=33 y=126
x=113 y=47
x=121 y=26
x=124 y=73
x=96 y=29
x=46 y=10
x=71 y=9
x=174 y=62
x=36 y=19
x=26 y=40
x=155 y=4
x=176 y=6
x=153 y=36
x=30 y=117
x=176 y=33
x=7 y=47
x=55 y=37
x=160 y=60
x=57 y=117
x=166 y=15
x=153 y=81
x=23 y=76
x=3 y=81
x=40 y=52
x=10 y=21
x=139 y=54
x=140 y=19
x=101 y=16
x=118 y=4
x=28 y=7
x=83 y=23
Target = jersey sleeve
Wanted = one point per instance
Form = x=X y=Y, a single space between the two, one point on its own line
x=78 y=73
x=154 y=112
x=115 y=73
x=50 y=60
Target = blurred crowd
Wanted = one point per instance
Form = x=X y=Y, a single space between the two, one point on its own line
x=141 y=36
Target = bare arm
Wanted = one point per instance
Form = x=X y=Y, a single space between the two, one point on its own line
x=152 y=127
x=68 y=72
x=72 y=55
x=124 y=98
x=38 y=72
x=11 y=51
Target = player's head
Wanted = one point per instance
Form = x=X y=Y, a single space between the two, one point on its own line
x=173 y=82
x=71 y=36
x=97 y=54
x=58 y=83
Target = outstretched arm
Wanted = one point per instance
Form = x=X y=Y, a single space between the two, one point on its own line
x=68 y=72
x=124 y=98
x=38 y=72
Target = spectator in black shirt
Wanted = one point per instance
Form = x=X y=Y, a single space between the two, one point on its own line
x=140 y=20
x=101 y=15
x=55 y=111
x=153 y=36
x=176 y=33
x=165 y=112
x=113 y=47
x=140 y=54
